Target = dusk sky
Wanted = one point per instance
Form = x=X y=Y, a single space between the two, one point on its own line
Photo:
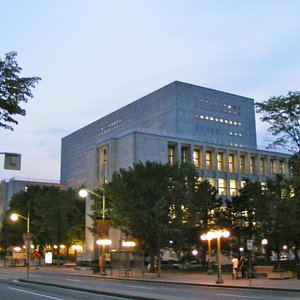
x=96 y=56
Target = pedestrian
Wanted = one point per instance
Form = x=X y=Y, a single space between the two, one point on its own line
x=235 y=265
x=243 y=266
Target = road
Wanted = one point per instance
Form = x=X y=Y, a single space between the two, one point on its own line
x=25 y=291
x=80 y=287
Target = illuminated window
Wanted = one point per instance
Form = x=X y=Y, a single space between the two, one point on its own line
x=233 y=188
x=263 y=166
x=252 y=165
x=103 y=158
x=184 y=155
x=222 y=189
x=196 y=158
x=243 y=164
x=171 y=151
x=231 y=163
x=282 y=167
x=220 y=159
x=208 y=156
x=273 y=166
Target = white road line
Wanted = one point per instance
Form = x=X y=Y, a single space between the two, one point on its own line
x=139 y=287
x=37 y=294
x=239 y=296
x=74 y=280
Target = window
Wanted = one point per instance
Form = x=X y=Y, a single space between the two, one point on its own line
x=103 y=158
x=233 y=188
x=222 y=187
x=263 y=166
x=273 y=166
x=184 y=155
x=282 y=167
x=220 y=159
x=196 y=158
x=171 y=152
x=208 y=160
x=252 y=165
x=231 y=163
x=243 y=164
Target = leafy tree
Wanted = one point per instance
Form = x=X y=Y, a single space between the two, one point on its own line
x=283 y=114
x=244 y=212
x=13 y=90
x=149 y=203
x=56 y=217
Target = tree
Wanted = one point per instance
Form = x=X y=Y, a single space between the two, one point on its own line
x=13 y=90
x=56 y=217
x=283 y=114
x=244 y=212
x=149 y=202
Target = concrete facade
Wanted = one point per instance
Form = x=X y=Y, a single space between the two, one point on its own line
x=180 y=122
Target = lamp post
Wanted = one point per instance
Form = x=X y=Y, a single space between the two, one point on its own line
x=264 y=243
x=127 y=245
x=14 y=217
x=208 y=237
x=218 y=234
x=102 y=241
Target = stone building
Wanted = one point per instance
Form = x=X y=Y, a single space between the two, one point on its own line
x=180 y=122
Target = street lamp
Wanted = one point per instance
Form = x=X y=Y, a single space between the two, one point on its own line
x=127 y=245
x=218 y=234
x=14 y=217
x=103 y=241
x=264 y=243
x=208 y=237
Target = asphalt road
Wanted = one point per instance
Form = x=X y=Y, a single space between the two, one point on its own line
x=80 y=287
x=26 y=291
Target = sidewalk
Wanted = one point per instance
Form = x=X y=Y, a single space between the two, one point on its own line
x=200 y=279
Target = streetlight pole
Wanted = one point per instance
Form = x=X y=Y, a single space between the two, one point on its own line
x=219 y=278
x=14 y=217
x=217 y=234
x=102 y=241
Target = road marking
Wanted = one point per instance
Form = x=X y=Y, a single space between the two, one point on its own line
x=139 y=287
x=37 y=294
x=74 y=280
x=238 y=296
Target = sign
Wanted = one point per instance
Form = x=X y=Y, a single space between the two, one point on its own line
x=48 y=257
x=12 y=161
x=249 y=244
x=19 y=255
x=103 y=228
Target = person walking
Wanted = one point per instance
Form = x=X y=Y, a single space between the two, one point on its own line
x=235 y=266
x=243 y=266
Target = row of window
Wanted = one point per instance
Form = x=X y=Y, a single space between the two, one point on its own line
x=212 y=104
x=245 y=164
x=220 y=120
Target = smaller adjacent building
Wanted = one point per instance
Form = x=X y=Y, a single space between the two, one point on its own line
x=9 y=187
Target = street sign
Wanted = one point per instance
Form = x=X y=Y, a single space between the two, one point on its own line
x=12 y=161
x=249 y=244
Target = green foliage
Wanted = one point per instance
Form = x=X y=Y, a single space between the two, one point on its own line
x=156 y=203
x=56 y=216
x=283 y=114
x=13 y=90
